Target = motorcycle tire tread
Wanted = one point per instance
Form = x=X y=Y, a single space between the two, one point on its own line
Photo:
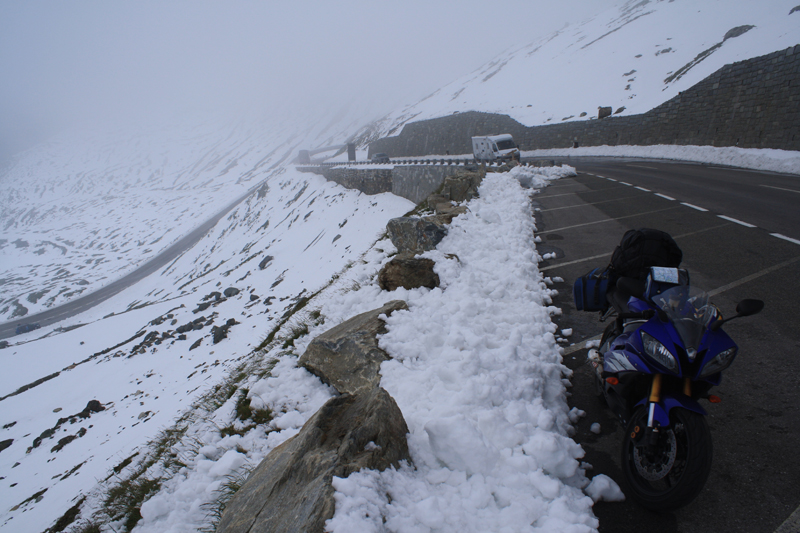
x=697 y=469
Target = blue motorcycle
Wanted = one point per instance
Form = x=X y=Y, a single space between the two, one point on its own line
x=656 y=362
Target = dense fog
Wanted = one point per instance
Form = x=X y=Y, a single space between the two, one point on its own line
x=78 y=62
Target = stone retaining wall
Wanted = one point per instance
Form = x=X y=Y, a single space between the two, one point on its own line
x=750 y=104
x=413 y=182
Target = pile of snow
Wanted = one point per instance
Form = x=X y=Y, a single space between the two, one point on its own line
x=477 y=374
x=787 y=161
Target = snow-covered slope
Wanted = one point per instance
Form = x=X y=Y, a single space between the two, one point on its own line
x=149 y=352
x=636 y=55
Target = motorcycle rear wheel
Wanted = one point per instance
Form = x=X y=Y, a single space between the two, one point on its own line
x=672 y=473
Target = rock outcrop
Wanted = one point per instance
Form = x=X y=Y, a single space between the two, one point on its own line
x=409 y=272
x=347 y=357
x=462 y=186
x=291 y=490
x=416 y=235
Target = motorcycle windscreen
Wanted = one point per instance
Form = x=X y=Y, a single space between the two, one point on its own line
x=689 y=312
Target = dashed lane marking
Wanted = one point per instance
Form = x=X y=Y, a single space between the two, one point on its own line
x=694 y=207
x=745 y=224
x=665 y=196
x=781 y=188
x=643 y=189
x=785 y=238
x=625 y=183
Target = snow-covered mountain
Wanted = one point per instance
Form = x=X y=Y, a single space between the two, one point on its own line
x=168 y=360
x=634 y=56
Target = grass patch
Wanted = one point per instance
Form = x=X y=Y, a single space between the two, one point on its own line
x=223 y=496
x=120 y=467
x=295 y=333
x=67 y=518
x=124 y=501
x=89 y=527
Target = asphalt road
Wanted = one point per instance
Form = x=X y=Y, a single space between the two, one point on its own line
x=79 y=305
x=753 y=252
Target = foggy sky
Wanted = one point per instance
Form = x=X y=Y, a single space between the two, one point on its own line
x=64 y=62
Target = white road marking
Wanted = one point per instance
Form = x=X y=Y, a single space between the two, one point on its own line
x=581 y=345
x=585 y=204
x=785 y=238
x=579 y=192
x=643 y=189
x=781 y=189
x=574 y=262
x=751 y=277
x=745 y=224
x=605 y=220
x=693 y=206
x=628 y=184
x=665 y=196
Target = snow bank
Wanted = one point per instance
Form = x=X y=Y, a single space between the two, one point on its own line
x=478 y=376
x=787 y=161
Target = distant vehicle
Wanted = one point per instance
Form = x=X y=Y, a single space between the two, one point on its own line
x=25 y=328
x=494 y=148
x=380 y=158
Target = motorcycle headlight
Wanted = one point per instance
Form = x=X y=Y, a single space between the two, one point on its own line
x=658 y=352
x=720 y=362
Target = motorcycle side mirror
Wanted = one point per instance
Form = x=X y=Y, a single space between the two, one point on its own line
x=744 y=308
x=749 y=307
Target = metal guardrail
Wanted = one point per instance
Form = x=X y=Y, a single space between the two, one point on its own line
x=406 y=162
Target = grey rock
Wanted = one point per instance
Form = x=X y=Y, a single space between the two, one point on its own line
x=230 y=292
x=409 y=272
x=449 y=211
x=265 y=262
x=434 y=199
x=347 y=356
x=603 y=112
x=221 y=332
x=291 y=489
x=415 y=234
x=462 y=186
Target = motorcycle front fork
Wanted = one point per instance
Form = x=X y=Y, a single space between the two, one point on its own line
x=652 y=430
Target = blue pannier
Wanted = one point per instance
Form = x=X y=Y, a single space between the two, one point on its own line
x=590 y=290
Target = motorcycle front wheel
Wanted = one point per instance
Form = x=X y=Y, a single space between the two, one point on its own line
x=670 y=472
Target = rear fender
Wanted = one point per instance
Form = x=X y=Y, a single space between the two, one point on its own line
x=668 y=403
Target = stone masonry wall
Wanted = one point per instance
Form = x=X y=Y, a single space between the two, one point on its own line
x=750 y=104
x=416 y=183
x=368 y=181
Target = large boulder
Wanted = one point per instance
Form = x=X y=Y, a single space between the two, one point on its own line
x=291 y=489
x=416 y=235
x=462 y=186
x=347 y=356
x=409 y=272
